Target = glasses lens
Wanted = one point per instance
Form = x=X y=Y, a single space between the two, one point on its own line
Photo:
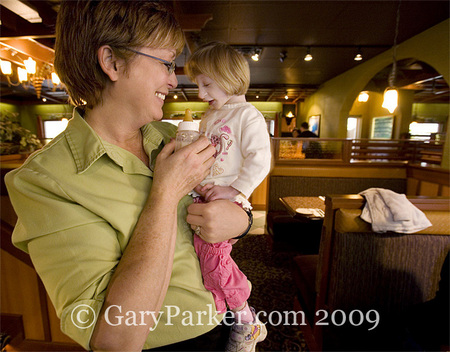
x=171 y=67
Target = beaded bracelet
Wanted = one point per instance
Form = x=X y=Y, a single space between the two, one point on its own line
x=250 y=223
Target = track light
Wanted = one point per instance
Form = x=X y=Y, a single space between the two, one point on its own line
x=308 y=56
x=358 y=56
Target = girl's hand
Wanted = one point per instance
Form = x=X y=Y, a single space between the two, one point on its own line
x=220 y=192
x=178 y=173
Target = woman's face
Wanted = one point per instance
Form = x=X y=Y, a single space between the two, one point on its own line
x=144 y=87
x=210 y=92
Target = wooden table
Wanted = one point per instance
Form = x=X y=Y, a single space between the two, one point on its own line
x=294 y=205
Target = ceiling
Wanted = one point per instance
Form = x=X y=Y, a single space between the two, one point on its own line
x=333 y=30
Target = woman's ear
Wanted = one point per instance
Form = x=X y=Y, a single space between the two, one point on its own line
x=108 y=62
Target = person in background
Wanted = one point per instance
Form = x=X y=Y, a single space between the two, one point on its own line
x=103 y=209
x=312 y=150
x=305 y=132
x=243 y=159
x=295 y=133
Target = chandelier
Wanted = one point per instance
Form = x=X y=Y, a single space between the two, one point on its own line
x=31 y=75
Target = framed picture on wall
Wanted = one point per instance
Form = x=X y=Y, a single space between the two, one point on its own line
x=382 y=127
x=314 y=124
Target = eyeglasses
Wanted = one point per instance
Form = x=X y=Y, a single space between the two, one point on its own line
x=170 y=65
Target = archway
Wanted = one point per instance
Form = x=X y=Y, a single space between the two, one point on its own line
x=423 y=97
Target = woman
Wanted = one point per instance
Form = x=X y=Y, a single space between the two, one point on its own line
x=102 y=208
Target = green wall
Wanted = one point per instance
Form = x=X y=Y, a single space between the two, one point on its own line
x=28 y=113
x=268 y=109
x=335 y=98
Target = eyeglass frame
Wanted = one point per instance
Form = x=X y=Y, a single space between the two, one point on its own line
x=170 y=65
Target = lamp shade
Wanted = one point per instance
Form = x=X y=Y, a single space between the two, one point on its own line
x=30 y=65
x=6 y=67
x=390 y=99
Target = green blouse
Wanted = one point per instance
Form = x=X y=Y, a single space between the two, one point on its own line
x=78 y=200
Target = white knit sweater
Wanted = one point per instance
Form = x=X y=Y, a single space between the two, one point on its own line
x=243 y=158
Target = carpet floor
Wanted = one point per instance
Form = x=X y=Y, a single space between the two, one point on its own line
x=272 y=291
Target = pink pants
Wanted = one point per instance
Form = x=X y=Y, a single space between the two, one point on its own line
x=221 y=274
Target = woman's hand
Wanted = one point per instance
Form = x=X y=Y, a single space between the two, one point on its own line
x=219 y=220
x=180 y=172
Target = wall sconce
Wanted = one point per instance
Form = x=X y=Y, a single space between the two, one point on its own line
x=31 y=75
x=290 y=114
x=363 y=97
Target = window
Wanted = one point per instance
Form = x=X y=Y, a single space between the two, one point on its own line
x=353 y=127
x=54 y=127
x=423 y=130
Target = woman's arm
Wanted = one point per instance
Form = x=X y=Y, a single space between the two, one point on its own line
x=220 y=220
x=142 y=276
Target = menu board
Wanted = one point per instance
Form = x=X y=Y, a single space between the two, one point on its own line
x=382 y=127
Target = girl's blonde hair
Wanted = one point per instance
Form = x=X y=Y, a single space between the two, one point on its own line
x=223 y=64
x=84 y=26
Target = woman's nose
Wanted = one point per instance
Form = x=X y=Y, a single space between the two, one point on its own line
x=173 y=81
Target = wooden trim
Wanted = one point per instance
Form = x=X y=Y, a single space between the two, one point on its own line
x=430 y=174
x=6 y=231
x=44 y=309
x=351 y=171
x=12 y=324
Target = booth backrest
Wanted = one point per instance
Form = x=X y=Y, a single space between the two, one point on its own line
x=362 y=269
x=284 y=186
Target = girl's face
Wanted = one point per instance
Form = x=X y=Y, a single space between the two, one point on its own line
x=210 y=92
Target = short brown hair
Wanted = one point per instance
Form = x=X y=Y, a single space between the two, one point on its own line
x=84 y=26
x=223 y=64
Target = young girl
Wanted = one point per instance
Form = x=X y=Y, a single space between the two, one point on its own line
x=243 y=158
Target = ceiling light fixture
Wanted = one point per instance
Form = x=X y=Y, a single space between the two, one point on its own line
x=308 y=56
x=250 y=51
x=358 y=56
x=283 y=55
x=286 y=96
x=256 y=54
x=390 y=97
x=31 y=75
x=175 y=96
x=24 y=11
